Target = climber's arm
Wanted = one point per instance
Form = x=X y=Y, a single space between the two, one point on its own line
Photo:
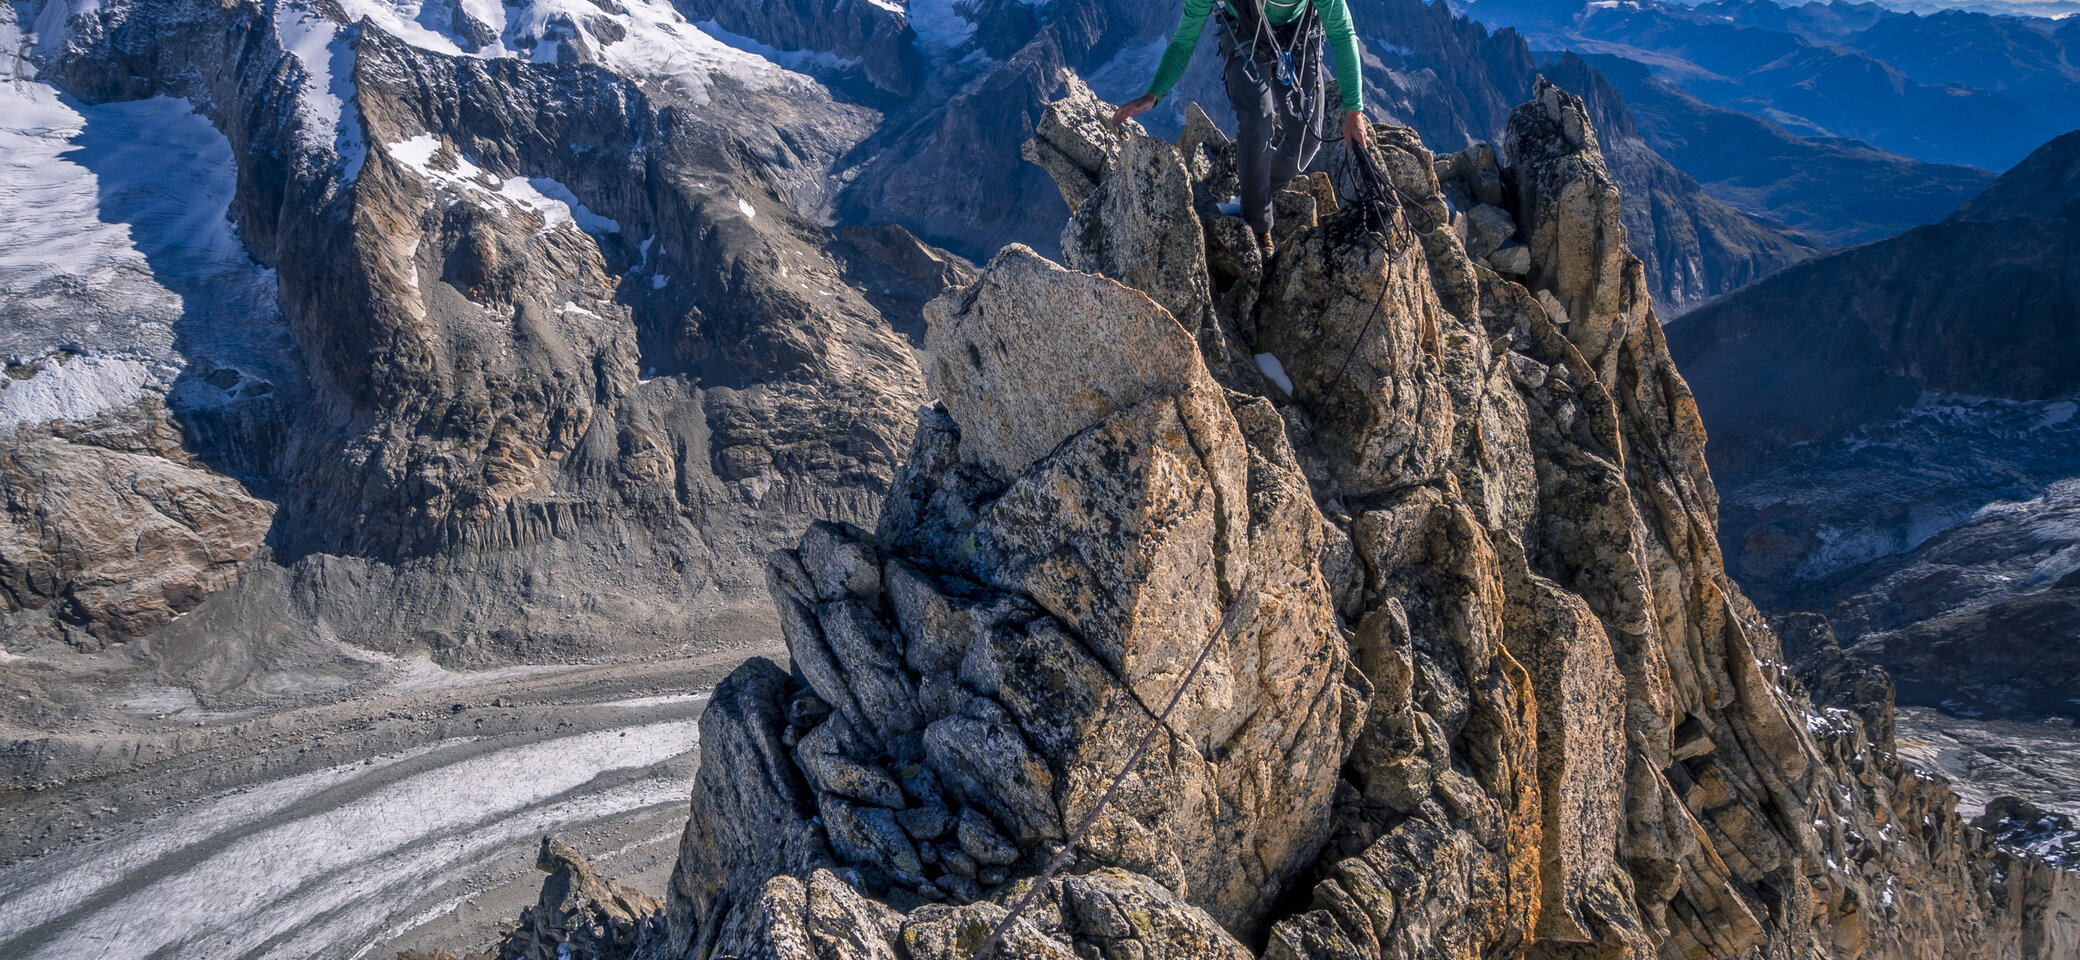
x=1179 y=53
x=1343 y=39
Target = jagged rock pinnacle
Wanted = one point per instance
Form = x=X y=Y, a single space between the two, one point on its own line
x=1484 y=687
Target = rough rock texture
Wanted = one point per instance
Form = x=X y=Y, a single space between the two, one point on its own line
x=563 y=327
x=1894 y=426
x=1475 y=681
x=1837 y=679
x=581 y=915
x=111 y=529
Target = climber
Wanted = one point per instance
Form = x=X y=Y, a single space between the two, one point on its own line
x=1271 y=61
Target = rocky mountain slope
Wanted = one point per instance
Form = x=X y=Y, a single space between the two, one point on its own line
x=1892 y=425
x=542 y=314
x=1422 y=551
x=1984 y=617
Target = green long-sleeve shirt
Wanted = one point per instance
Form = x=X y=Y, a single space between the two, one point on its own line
x=1336 y=22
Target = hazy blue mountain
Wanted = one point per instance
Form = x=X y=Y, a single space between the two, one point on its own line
x=1959 y=87
x=1839 y=191
x=2029 y=59
x=1894 y=432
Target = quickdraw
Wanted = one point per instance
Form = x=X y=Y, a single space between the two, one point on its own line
x=1289 y=61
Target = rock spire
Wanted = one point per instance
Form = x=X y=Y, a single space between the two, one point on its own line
x=1484 y=688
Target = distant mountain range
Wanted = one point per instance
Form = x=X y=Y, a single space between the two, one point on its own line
x=1839 y=191
x=1954 y=86
x=1893 y=428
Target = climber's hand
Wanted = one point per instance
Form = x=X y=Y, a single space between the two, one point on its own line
x=1357 y=133
x=1139 y=104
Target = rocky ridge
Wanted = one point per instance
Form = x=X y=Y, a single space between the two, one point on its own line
x=1476 y=683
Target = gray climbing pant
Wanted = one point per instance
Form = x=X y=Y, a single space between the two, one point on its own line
x=1272 y=144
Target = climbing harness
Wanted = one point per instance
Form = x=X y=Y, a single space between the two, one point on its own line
x=1300 y=100
x=1230 y=619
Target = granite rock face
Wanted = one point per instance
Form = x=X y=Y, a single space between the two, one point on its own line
x=1474 y=680
x=112 y=529
x=559 y=320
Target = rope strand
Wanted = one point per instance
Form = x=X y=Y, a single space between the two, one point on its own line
x=1229 y=619
x=1373 y=189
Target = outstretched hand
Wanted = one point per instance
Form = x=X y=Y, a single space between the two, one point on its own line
x=1357 y=132
x=1139 y=104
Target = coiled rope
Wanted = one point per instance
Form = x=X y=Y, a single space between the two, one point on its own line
x=1374 y=191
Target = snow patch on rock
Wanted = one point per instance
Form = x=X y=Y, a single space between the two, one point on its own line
x=655 y=42
x=321 y=46
x=72 y=389
x=797 y=60
x=555 y=192
x=550 y=200
x=1276 y=371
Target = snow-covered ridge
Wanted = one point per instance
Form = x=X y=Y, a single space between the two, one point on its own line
x=650 y=40
x=328 y=63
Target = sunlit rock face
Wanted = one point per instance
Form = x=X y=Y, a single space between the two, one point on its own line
x=1475 y=682
x=537 y=299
